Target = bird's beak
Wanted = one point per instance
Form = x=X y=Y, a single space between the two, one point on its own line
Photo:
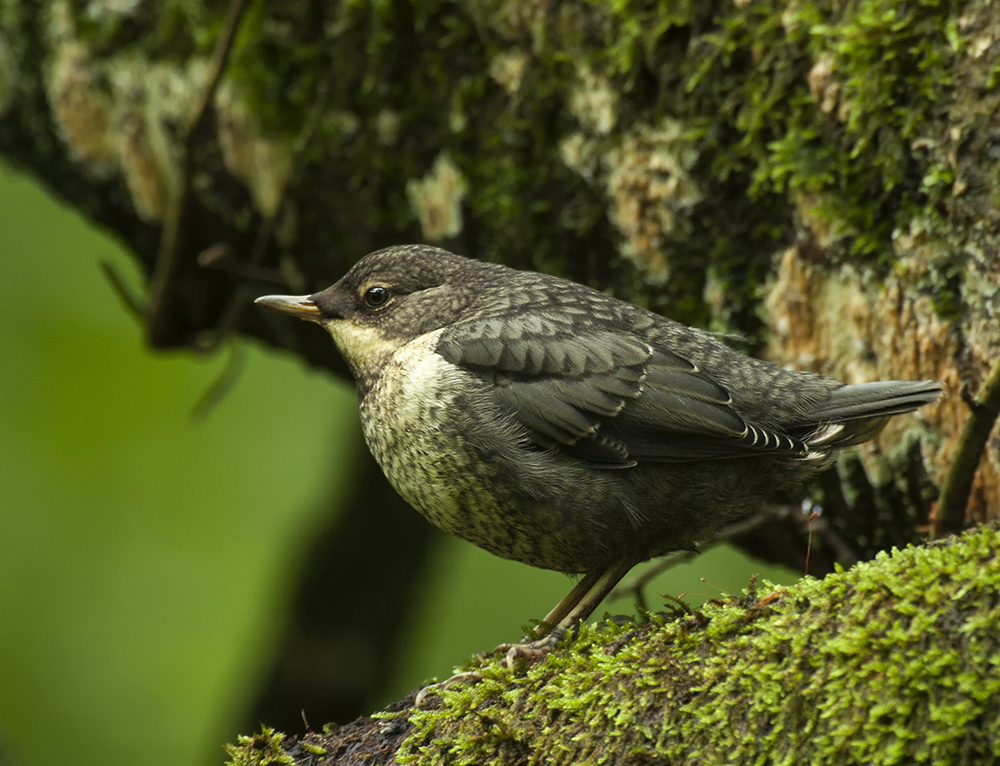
x=297 y=305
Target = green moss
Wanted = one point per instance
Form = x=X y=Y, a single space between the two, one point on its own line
x=259 y=750
x=890 y=662
x=313 y=748
x=817 y=104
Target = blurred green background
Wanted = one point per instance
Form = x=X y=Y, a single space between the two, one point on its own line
x=146 y=558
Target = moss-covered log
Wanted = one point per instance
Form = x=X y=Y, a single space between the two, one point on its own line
x=893 y=661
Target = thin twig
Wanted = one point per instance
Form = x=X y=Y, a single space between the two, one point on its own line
x=635 y=586
x=843 y=552
x=175 y=224
x=218 y=257
x=984 y=409
x=223 y=384
x=122 y=289
x=809 y=545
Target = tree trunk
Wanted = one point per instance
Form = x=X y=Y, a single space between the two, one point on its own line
x=816 y=177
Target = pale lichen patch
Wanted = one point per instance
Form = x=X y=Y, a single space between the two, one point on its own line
x=648 y=178
x=581 y=154
x=652 y=192
x=341 y=123
x=79 y=101
x=436 y=199
x=387 y=127
x=146 y=182
x=143 y=150
x=262 y=162
x=823 y=86
x=507 y=70
x=594 y=102
x=112 y=9
x=458 y=120
x=118 y=114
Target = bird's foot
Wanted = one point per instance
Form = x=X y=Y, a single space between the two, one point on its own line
x=529 y=650
x=427 y=691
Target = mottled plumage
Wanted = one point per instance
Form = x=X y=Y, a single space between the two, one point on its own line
x=552 y=424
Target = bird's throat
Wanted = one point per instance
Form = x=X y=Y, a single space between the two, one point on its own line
x=366 y=348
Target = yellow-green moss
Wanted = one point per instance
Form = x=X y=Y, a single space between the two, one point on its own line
x=259 y=750
x=894 y=661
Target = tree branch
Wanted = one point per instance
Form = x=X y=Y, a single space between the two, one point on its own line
x=984 y=409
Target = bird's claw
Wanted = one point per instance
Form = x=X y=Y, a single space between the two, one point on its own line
x=529 y=650
x=424 y=693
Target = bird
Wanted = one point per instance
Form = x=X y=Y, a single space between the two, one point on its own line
x=555 y=425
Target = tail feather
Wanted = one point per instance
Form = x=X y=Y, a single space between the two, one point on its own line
x=878 y=399
x=863 y=409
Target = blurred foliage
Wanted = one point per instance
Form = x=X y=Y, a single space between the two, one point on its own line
x=146 y=559
x=142 y=555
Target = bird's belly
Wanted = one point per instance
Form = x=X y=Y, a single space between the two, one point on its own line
x=427 y=435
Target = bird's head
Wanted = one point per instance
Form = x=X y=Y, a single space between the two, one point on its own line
x=389 y=298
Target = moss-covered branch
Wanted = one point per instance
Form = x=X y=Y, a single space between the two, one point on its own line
x=894 y=661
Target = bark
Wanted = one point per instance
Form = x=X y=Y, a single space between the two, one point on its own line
x=816 y=177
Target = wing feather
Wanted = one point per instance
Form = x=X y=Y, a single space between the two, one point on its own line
x=604 y=397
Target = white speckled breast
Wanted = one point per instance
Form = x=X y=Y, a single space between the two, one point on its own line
x=401 y=414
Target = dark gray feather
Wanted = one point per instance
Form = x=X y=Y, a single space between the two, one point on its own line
x=861 y=410
x=878 y=399
x=607 y=398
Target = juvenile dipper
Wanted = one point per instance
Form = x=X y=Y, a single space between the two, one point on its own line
x=552 y=424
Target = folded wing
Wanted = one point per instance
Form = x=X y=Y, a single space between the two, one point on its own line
x=608 y=398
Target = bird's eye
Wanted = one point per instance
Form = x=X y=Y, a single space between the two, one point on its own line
x=376 y=297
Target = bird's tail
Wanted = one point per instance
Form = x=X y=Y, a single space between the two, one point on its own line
x=856 y=413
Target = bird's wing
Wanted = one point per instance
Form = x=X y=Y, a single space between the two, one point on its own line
x=606 y=397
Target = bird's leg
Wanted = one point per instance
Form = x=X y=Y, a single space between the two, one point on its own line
x=601 y=587
x=551 y=621
x=564 y=607
x=577 y=606
x=574 y=609
x=555 y=616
